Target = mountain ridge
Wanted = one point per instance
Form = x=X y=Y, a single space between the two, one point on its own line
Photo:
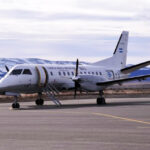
x=10 y=62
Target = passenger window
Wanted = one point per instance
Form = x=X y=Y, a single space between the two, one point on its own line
x=64 y=73
x=80 y=72
x=59 y=73
x=27 y=71
x=68 y=73
x=89 y=73
x=16 y=72
x=100 y=73
x=93 y=73
x=73 y=73
x=84 y=72
x=96 y=73
x=51 y=73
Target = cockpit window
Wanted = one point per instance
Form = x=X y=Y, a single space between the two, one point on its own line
x=16 y=72
x=27 y=71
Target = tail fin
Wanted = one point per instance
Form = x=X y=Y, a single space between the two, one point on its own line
x=118 y=60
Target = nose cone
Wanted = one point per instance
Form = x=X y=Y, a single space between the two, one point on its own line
x=5 y=83
x=2 y=86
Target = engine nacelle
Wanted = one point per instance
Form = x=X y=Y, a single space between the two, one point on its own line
x=88 y=83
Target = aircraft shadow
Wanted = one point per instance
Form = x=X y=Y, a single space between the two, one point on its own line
x=64 y=106
x=74 y=106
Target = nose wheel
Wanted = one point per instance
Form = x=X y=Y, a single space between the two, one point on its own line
x=39 y=101
x=15 y=104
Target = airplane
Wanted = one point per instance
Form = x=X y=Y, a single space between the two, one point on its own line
x=51 y=79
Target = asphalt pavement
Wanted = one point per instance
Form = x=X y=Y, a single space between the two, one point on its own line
x=122 y=124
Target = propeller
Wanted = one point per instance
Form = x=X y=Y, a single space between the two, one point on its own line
x=7 y=68
x=76 y=79
x=77 y=67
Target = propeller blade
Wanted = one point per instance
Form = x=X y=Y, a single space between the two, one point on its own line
x=76 y=84
x=6 y=68
x=77 y=66
x=75 y=90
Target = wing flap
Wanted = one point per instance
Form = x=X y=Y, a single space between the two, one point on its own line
x=120 y=81
x=135 y=67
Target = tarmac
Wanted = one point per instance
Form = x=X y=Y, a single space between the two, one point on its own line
x=122 y=124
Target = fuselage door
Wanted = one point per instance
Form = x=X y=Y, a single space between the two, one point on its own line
x=42 y=76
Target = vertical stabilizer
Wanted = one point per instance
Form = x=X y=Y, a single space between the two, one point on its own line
x=118 y=60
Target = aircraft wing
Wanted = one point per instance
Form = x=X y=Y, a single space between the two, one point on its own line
x=135 y=67
x=120 y=81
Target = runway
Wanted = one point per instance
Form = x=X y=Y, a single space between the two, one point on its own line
x=124 y=123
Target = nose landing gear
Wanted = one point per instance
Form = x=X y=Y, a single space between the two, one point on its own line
x=39 y=101
x=15 y=104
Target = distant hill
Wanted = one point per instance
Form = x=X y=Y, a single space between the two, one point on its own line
x=10 y=62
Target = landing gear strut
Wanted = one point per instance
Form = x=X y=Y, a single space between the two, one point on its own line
x=39 y=101
x=101 y=98
x=15 y=104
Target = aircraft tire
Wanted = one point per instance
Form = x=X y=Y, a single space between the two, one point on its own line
x=39 y=102
x=15 y=105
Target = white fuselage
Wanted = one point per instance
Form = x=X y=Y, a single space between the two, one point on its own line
x=20 y=80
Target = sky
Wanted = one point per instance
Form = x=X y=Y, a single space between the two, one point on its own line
x=71 y=29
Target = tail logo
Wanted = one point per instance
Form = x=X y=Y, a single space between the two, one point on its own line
x=120 y=50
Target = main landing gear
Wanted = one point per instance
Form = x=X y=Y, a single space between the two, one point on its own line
x=39 y=101
x=101 y=98
x=15 y=104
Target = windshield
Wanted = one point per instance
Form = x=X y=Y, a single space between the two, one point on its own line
x=27 y=71
x=16 y=72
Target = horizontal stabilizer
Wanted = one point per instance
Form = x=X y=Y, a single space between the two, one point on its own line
x=134 y=67
x=120 y=81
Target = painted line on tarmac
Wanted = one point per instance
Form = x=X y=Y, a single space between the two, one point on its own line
x=98 y=114
x=109 y=116
x=143 y=127
x=121 y=118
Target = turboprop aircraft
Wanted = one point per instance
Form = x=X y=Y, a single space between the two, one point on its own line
x=54 y=78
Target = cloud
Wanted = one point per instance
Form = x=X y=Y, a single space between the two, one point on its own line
x=88 y=29
x=37 y=15
x=85 y=48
